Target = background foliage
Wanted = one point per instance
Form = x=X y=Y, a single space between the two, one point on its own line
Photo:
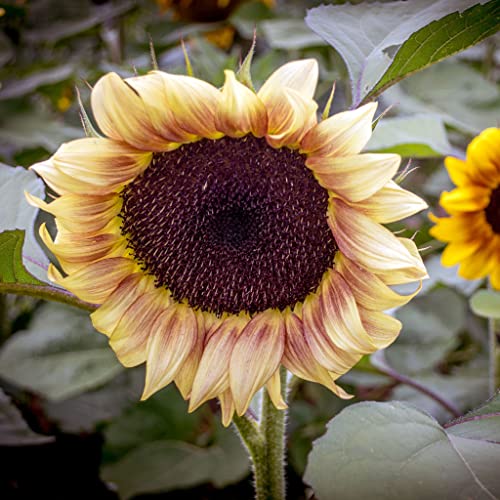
x=71 y=425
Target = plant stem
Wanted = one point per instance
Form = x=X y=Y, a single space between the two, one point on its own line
x=46 y=292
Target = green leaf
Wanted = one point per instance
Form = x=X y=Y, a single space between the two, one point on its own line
x=167 y=465
x=17 y=214
x=417 y=136
x=14 y=431
x=277 y=33
x=389 y=451
x=59 y=356
x=377 y=38
x=486 y=303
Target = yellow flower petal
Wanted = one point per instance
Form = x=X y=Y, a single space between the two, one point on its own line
x=343 y=134
x=240 y=111
x=458 y=170
x=356 y=177
x=256 y=356
x=460 y=227
x=465 y=199
x=481 y=262
x=121 y=114
x=483 y=153
x=226 y=407
x=273 y=388
x=455 y=252
x=170 y=342
x=382 y=328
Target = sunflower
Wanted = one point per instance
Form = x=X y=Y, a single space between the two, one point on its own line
x=224 y=233
x=473 y=229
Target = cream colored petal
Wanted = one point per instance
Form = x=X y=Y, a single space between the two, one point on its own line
x=290 y=116
x=106 y=318
x=193 y=104
x=382 y=328
x=170 y=343
x=239 y=110
x=343 y=134
x=390 y=204
x=78 y=213
x=369 y=290
x=273 y=387
x=356 y=177
x=330 y=356
x=301 y=76
x=362 y=240
x=226 y=407
x=212 y=377
x=95 y=282
x=256 y=356
x=131 y=335
x=121 y=115
x=101 y=162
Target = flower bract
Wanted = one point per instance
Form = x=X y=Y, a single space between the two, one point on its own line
x=226 y=232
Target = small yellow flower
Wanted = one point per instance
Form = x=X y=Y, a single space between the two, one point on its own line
x=473 y=229
x=226 y=232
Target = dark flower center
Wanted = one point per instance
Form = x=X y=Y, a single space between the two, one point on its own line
x=493 y=210
x=230 y=225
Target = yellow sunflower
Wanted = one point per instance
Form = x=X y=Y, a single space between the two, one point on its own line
x=473 y=229
x=225 y=232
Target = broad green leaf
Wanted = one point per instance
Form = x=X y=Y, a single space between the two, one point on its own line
x=167 y=465
x=486 y=303
x=374 y=38
x=430 y=327
x=18 y=214
x=389 y=451
x=59 y=356
x=417 y=136
x=460 y=95
x=278 y=33
x=14 y=431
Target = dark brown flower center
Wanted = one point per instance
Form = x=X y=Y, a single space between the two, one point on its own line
x=230 y=225
x=493 y=210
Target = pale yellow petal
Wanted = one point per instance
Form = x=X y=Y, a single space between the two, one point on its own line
x=273 y=388
x=256 y=356
x=343 y=134
x=356 y=177
x=382 y=328
x=239 y=110
x=226 y=407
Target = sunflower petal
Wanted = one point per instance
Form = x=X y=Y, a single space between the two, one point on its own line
x=465 y=199
x=343 y=134
x=483 y=153
x=356 y=177
x=226 y=407
x=273 y=387
x=239 y=110
x=382 y=328
x=481 y=262
x=256 y=356
x=460 y=227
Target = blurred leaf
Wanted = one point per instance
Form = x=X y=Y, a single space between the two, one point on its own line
x=278 y=34
x=430 y=327
x=59 y=356
x=374 y=38
x=14 y=431
x=166 y=465
x=18 y=214
x=482 y=423
x=459 y=94
x=393 y=451
x=21 y=86
x=417 y=136
x=486 y=303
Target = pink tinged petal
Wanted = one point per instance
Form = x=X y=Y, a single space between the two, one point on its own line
x=301 y=76
x=375 y=248
x=226 y=407
x=343 y=134
x=256 y=356
x=239 y=110
x=79 y=213
x=97 y=281
x=369 y=290
x=193 y=104
x=356 y=177
x=212 y=377
x=273 y=387
x=390 y=204
x=327 y=354
x=121 y=114
x=170 y=343
x=106 y=318
x=382 y=328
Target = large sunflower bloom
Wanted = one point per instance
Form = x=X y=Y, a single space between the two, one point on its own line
x=226 y=232
x=473 y=229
